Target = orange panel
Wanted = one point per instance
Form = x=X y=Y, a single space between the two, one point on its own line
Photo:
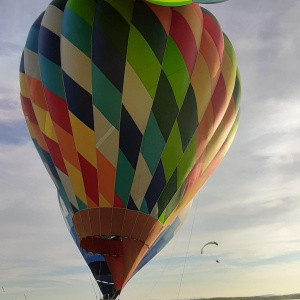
x=37 y=93
x=117 y=221
x=157 y=228
x=140 y=223
x=67 y=146
x=86 y=222
x=204 y=130
x=39 y=136
x=94 y=215
x=105 y=220
x=147 y=229
x=106 y=177
x=129 y=222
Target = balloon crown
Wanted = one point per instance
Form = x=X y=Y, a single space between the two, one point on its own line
x=182 y=2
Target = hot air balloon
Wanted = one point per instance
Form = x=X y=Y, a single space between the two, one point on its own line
x=131 y=107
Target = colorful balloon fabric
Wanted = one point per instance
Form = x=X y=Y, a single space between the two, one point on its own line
x=182 y=2
x=131 y=107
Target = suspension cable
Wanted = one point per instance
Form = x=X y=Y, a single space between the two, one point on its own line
x=187 y=250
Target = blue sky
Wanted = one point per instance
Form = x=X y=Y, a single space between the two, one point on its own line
x=251 y=204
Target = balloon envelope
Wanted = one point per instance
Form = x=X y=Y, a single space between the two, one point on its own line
x=131 y=107
x=183 y=2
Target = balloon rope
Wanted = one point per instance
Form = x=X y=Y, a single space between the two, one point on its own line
x=170 y=254
x=187 y=250
x=92 y=281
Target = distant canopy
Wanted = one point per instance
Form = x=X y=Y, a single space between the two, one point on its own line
x=131 y=107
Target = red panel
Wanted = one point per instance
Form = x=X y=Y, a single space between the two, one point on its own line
x=55 y=153
x=90 y=179
x=28 y=110
x=117 y=202
x=214 y=30
x=58 y=110
x=102 y=246
x=116 y=267
x=184 y=38
x=163 y=13
x=218 y=101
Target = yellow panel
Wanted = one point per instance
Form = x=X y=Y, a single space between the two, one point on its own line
x=219 y=137
x=201 y=84
x=141 y=181
x=107 y=138
x=229 y=75
x=84 y=140
x=103 y=202
x=136 y=98
x=23 y=86
x=76 y=64
x=77 y=182
x=45 y=122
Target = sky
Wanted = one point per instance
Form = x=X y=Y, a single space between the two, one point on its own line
x=250 y=205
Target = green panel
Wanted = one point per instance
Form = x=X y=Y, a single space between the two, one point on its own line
x=146 y=22
x=124 y=7
x=32 y=40
x=106 y=97
x=187 y=162
x=81 y=205
x=153 y=144
x=175 y=201
x=175 y=69
x=172 y=152
x=144 y=207
x=124 y=178
x=188 y=118
x=83 y=8
x=167 y=194
x=164 y=106
x=77 y=31
x=230 y=51
x=170 y=2
x=52 y=76
x=237 y=90
x=142 y=59
x=162 y=217
x=113 y=29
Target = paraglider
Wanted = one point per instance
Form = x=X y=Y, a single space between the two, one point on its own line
x=209 y=243
x=131 y=107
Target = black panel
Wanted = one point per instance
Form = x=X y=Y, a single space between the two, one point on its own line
x=130 y=138
x=156 y=187
x=146 y=22
x=188 y=118
x=79 y=101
